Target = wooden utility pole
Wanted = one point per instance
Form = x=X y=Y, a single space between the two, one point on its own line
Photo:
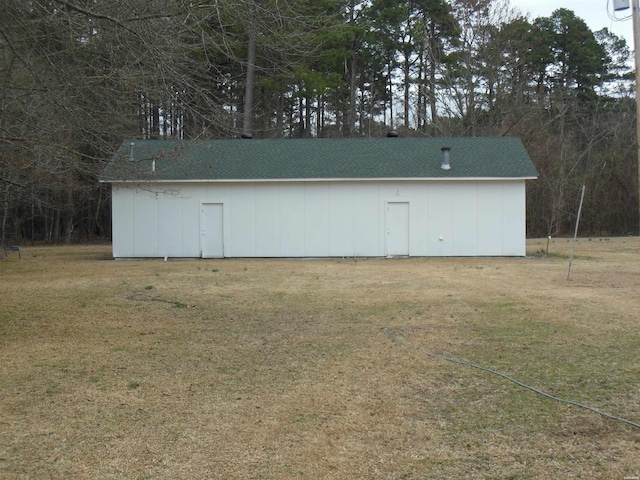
x=636 y=47
x=619 y=5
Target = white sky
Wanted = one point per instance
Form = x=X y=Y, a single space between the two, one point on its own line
x=594 y=12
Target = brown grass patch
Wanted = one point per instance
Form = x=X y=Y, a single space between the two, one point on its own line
x=272 y=369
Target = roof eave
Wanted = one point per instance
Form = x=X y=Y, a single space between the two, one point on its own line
x=298 y=180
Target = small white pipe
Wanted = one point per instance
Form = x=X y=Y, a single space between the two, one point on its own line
x=445 y=158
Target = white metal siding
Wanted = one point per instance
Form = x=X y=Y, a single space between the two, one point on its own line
x=465 y=220
x=439 y=218
x=268 y=224
x=316 y=220
x=368 y=220
x=293 y=214
x=319 y=219
x=123 y=223
x=514 y=229
x=490 y=206
x=341 y=220
x=242 y=214
x=170 y=228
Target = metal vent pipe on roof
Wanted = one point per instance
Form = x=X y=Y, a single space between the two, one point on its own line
x=131 y=152
x=445 y=158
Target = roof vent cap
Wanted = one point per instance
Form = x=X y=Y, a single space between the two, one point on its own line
x=392 y=134
x=246 y=136
x=445 y=158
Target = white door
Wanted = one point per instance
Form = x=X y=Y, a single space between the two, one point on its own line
x=211 y=222
x=397 y=223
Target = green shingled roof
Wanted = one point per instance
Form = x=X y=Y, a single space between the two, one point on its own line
x=322 y=159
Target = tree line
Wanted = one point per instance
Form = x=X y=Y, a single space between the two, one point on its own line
x=79 y=76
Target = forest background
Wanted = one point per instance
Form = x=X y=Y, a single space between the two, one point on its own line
x=79 y=76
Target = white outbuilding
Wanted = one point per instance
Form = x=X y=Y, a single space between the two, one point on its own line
x=357 y=197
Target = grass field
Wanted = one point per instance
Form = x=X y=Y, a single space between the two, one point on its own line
x=279 y=369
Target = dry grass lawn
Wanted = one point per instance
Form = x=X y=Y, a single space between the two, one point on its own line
x=278 y=369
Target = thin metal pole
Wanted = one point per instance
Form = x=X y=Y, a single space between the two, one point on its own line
x=575 y=233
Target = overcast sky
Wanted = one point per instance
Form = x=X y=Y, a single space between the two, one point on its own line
x=594 y=12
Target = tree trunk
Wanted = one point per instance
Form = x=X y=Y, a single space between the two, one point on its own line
x=155 y=127
x=389 y=74
x=352 y=79
x=68 y=223
x=5 y=215
x=319 y=116
x=352 y=93
x=280 y=115
x=55 y=238
x=407 y=85
x=249 y=85
x=307 y=117
x=432 y=74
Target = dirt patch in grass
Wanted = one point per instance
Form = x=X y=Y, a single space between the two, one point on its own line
x=272 y=369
